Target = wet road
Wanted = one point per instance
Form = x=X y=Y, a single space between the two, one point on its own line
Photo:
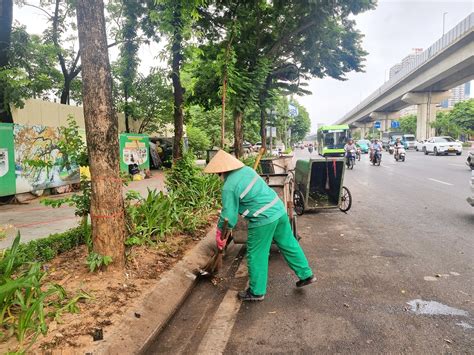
x=395 y=274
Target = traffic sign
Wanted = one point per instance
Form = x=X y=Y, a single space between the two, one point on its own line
x=292 y=110
x=377 y=124
x=271 y=131
x=395 y=124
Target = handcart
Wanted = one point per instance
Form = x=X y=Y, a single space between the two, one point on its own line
x=284 y=186
x=319 y=185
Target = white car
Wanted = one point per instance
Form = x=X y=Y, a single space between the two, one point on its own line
x=420 y=145
x=442 y=145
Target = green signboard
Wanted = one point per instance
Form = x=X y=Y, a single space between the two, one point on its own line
x=7 y=160
x=134 y=149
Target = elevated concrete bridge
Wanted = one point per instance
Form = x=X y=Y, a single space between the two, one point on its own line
x=424 y=82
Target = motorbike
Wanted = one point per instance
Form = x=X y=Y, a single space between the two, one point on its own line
x=310 y=149
x=377 y=158
x=350 y=158
x=399 y=154
x=391 y=149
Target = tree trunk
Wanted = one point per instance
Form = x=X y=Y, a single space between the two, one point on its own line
x=66 y=91
x=263 y=124
x=6 y=19
x=107 y=207
x=263 y=114
x=127 y=123
x=224 y=94
x=178 y=91
x=238 y=133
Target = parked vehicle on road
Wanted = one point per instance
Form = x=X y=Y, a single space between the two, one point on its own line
x=443 y=145
x=319 y=185
x=399 y=154
x=470 y=199
x=420 y=145
x=470 y=160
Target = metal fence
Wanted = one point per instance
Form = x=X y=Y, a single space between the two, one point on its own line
x=448 y=39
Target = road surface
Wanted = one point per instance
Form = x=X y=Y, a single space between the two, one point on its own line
x=395 y=275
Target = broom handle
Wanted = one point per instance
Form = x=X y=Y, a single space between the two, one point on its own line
x=225 y=231
x=259 y=156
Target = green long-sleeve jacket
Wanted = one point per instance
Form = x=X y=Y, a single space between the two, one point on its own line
x=246 y=193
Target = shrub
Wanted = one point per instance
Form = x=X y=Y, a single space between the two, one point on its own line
x=25 y=299
x=191 y=197
x=46 y=249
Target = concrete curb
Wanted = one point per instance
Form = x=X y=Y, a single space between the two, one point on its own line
x=133 y=335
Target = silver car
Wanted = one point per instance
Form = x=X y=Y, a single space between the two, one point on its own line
x=470 y=159
x=470 y=199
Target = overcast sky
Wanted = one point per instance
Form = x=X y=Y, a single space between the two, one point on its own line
x=391 y=31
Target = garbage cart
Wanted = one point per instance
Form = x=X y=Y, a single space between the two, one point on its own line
x=319 y=185
x=284 y=186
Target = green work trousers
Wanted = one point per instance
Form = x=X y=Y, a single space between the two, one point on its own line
x=258 y=250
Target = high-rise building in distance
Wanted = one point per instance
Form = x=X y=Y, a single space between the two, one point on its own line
x=405 y=62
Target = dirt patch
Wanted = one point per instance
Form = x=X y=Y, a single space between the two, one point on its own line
x=111 y=294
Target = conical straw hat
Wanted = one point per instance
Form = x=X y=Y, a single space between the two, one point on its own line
x=223 y=162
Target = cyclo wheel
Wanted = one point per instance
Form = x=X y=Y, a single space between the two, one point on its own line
x=298 y=202
x=294 y=228
x=346 y=200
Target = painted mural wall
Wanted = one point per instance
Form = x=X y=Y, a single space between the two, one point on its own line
x=7 y=160
x=40 y=163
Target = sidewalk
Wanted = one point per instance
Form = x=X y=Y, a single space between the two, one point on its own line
x=35 y=220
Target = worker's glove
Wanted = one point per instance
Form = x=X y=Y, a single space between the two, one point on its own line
x=219 y=242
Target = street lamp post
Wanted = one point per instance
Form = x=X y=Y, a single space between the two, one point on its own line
x=271 y=115
x=444 y=20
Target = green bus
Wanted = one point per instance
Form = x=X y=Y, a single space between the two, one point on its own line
x=332 y=139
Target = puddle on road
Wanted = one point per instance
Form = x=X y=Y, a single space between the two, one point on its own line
x=434 y=308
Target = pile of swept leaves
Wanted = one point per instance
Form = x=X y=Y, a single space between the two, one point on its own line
x=191 y=198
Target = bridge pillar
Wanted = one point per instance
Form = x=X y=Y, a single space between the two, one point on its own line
x=363 y=130
x=426 y=102
x=362 y=127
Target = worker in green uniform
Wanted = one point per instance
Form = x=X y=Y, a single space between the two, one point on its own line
x=245 y=193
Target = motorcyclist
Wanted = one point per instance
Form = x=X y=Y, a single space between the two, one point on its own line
x=398 y=144
x=375 y=147
x=371 y=149
x=349 y=146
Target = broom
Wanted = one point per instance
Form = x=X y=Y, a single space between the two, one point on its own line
x=215 y=263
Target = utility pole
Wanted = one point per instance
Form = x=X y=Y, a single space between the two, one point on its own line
x=444 y=21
